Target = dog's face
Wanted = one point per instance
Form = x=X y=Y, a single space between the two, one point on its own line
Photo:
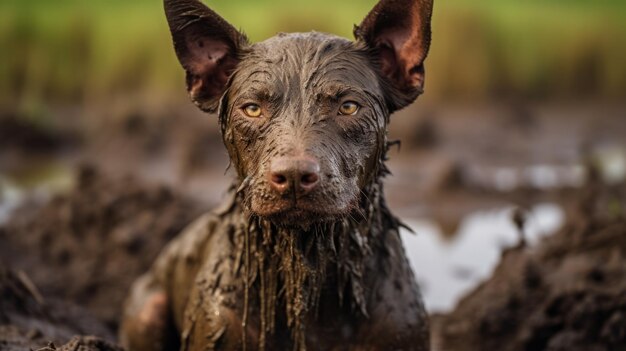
x=305 y=121
x=304 y=115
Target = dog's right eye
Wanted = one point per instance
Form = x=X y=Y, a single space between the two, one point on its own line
x=349 y=108
x=252 y=110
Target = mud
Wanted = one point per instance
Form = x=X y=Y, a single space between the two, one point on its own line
x=88 y=246
x=28 y=320
x=84 y=343
x=569 y=293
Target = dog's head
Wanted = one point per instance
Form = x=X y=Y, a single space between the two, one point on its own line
x=304 y=116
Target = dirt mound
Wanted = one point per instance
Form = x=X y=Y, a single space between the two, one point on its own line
x=84 y=343
x=28 y=320
x=569 y=293
x=89 y=246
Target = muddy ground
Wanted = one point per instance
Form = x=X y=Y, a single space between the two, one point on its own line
x=84 y=248
x=568 y=293
x=137 y=179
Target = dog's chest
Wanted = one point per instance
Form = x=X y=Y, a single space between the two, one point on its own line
x=220 y=313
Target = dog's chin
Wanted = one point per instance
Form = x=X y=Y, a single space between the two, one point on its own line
x=300 y=216
x=297 y=218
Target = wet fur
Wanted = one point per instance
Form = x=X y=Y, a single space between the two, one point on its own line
x=299 y=79
x=273 y=271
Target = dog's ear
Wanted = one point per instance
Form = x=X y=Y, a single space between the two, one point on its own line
x=207 y=47
x=398 y=31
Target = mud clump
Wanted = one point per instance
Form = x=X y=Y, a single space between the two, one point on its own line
x=84 y=343
x=90 y=245
x=569 y=293
x=28 y=320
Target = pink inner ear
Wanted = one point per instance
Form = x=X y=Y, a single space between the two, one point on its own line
x=388 y=64
x=402 y=51
x=210 y=62
x=402 y=55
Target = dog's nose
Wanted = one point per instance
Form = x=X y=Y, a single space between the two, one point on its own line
x=300 y=174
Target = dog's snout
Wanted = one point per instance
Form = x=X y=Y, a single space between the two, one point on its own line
x=294 y=173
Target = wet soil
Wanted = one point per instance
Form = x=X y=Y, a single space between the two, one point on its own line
x=88 y=246
x=568 y=293
x=84 y=343
x=84 y=248
x=30 y=321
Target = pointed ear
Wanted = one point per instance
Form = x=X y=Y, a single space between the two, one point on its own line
x=398 y=31
x=207 y=47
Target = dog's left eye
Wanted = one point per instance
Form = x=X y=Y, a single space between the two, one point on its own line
x=349 y=108
x=252 y=110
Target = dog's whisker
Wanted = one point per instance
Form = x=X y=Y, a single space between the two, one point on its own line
x=244 y=184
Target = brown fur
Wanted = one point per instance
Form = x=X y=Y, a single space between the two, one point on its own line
x=321 y=269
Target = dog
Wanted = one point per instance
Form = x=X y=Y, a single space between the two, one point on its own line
x=304 y=254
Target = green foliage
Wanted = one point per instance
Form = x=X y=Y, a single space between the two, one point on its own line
x=81 y=51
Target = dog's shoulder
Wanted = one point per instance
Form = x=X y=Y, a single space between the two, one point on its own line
x=193 y=244
x=190 y=259
x=190 y=243
x=206 y=282
x=397 y=317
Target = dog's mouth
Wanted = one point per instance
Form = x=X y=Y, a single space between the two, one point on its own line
x=294 y=213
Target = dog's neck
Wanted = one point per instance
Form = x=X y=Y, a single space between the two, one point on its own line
x=287 y=268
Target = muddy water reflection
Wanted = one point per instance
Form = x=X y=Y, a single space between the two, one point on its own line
x=447 y=269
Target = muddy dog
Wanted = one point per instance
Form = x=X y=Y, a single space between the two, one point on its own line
x=305 y=253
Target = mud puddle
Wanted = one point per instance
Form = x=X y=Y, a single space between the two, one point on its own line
x=567 y=293
x=447 y=268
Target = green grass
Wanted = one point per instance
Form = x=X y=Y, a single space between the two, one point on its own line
x=83 y=51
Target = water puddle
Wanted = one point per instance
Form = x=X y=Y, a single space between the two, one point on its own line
x=449 y=268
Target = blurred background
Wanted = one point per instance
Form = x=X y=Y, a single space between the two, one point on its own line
x=525 y=102
x=85 y=52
